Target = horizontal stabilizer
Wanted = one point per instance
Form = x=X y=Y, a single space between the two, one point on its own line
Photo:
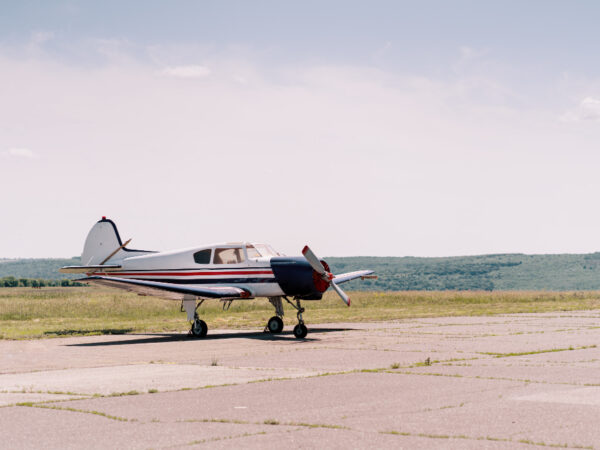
x=169 y=291
x=88 y=269
x=342 y=278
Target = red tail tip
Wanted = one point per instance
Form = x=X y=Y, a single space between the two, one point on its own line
x=348 y=302
x=305 y=249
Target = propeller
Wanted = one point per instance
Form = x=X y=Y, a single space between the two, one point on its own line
x=328 y=277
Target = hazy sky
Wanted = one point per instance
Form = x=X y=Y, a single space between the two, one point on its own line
x=361 y=128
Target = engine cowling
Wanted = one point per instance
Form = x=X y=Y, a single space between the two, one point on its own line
x=297 y=278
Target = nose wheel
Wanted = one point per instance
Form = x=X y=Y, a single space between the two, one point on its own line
x=300 y=330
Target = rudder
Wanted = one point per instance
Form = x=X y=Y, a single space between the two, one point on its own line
x=101 y=241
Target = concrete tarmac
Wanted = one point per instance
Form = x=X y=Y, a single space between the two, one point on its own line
x=511 y=381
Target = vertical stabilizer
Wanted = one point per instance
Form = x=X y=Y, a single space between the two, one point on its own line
x=103 y=240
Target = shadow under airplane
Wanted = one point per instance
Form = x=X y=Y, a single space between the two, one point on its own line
x=157 y=338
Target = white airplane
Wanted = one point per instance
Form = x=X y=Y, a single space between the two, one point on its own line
x=232 y=271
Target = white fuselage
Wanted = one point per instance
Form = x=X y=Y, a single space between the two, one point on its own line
x=243 y=265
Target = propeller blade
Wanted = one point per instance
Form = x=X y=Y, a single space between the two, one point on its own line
x=341 y=293
x=313 y=261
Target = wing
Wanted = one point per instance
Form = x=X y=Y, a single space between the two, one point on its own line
x=168 y=291
x=342 y=278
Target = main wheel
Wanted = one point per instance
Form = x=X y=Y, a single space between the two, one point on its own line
x=275 y=325
x=199 y=328
x=300 y=331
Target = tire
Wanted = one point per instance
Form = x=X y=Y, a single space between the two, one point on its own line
x=275 y=325
x=199 y=328
x=300 y=331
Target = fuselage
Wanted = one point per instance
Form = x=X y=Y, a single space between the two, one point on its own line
x=256 y=268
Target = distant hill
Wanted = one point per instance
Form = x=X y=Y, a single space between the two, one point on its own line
x=485 y=272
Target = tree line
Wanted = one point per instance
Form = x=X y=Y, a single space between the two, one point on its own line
x=11 y=281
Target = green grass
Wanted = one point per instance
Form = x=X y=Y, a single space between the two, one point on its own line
x=27 y=313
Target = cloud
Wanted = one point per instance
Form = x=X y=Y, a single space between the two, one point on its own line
x=41 y=37
x=19 y=153
x=588 y=109
x=191 y=71
x=37 y=42
x=381 y=52
x=469 y=53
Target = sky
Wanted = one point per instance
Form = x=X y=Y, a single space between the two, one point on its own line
x=381 y=128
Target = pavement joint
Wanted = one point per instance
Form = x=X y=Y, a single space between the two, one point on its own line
x=456 y=375
x=536 y=352
x=66 y=408
x=485 y=438
x=273 y=422
x=215 y=439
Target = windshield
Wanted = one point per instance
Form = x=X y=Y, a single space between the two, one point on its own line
x=264 y=250
x=252 y=251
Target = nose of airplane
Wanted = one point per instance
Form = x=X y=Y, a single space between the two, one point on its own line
x=297 y=278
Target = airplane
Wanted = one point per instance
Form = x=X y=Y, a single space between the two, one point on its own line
x=228 y=272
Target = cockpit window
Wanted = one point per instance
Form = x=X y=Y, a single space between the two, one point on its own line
x=252 y=252
x=202 y=257
x=228 y=255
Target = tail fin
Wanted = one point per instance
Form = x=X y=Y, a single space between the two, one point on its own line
x=103 y=240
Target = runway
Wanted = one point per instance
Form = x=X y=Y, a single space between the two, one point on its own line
x=511 y=381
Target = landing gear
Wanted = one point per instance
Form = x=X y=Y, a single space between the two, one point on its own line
x=199 y=327
x=300 y=330
x=275 y=325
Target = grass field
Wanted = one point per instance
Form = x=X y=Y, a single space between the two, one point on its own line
x=27 y=313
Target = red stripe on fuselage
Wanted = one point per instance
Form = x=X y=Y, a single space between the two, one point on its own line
x=184 y=274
